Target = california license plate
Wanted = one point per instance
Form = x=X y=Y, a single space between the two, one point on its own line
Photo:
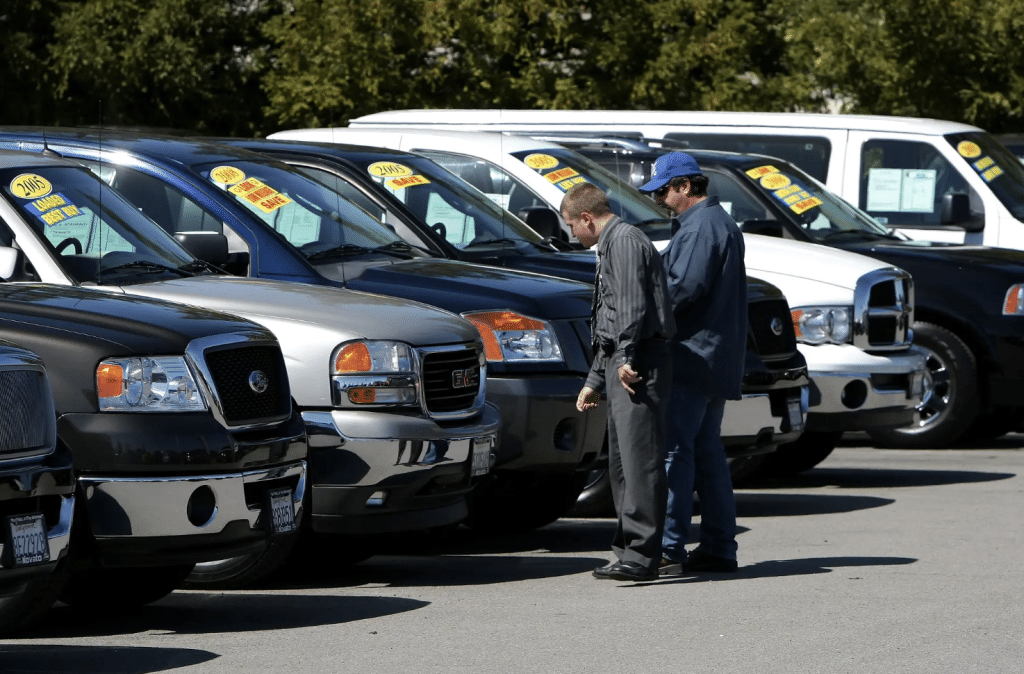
x=26 y=536
x=481 y=456
x=796 y=416
x=282 y=511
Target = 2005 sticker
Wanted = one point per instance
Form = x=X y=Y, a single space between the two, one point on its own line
x=30 y=186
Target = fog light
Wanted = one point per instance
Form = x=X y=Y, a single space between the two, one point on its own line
x=202 y=507
x=854 y=394
x=377 y=498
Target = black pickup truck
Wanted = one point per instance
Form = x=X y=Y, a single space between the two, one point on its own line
x=37 y=491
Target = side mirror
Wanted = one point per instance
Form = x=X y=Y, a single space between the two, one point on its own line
x=8 y=262
x=542 y=220
x=209 y=247
x=762 y=227
x=956 y=210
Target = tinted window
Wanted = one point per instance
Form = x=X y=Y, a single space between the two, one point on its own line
x=807 y=152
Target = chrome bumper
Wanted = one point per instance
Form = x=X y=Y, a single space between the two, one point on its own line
x=855 y=381
x=184 y=506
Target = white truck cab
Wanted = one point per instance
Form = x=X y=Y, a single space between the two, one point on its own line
x=930 y=179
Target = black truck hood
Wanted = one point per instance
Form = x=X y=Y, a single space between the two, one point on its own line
x=574 y=265
x=920 y=256
x=462 y=286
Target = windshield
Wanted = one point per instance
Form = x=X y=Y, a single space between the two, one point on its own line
x=805 y=202
x=996 y=165
x=463 y=215
x=564 y=168
x=92 y=232
x=315 y=219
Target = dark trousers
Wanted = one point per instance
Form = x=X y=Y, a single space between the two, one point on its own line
x=636 y=454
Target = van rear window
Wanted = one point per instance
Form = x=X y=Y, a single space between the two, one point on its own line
x=807 y=152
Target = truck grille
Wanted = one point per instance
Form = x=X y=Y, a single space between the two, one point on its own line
x=232 y=368
x=26 y=413
x=451 y=380
x=883 y=310
x=770 y=332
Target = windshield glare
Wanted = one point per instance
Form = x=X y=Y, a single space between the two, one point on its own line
x=446 y=203
x=997 y=166
x=89 y=227
x=311 y=216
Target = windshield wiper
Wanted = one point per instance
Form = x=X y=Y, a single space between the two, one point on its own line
x=851 y=233
x=401 y=249
x=142 y=266
x=485 y=242
x=343 y=250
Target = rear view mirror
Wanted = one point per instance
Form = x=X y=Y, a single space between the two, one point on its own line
x=8 y=262
x=209 y=247
x=956 y=210
x=542 y=220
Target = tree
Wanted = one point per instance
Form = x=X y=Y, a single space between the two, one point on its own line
x=25 y=31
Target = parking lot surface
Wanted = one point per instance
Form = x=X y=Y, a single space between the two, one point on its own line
x=876 y=561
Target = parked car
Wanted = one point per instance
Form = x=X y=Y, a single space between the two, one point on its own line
x=448 y=215
x=257 y=217
x=391 y=393
x=855 y=385
x=1014 y=142
x=37 y=492
x=931 y=179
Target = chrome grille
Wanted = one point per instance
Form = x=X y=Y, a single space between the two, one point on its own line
x=883 y=310
x=770 y=331
x=443 y=377
x=26 y=413
x=231 y=369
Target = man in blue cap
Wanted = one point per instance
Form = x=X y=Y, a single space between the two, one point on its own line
x=708 y=291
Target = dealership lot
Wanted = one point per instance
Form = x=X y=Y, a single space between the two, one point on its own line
x=878 y=560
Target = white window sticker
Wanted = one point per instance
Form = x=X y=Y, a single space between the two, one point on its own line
x=918 y=191
x=884 y=187
x=901 y=190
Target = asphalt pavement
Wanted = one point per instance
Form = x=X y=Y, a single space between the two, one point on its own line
x=876 y=561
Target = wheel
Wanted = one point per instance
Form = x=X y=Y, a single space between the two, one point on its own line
x=994 y=424
x=70 y=241
x=950 y=403
x=28 y=607
x=804 y=453
x=244 y=571
x=512 y=501
x=744 y=467
x=596 y=498
x=115 y=589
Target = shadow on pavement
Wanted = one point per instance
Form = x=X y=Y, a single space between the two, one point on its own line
x=53 y=659
x=195 y=612
x=778 y=568
x=785 y=505
x=875 y=478
x=1008 y=441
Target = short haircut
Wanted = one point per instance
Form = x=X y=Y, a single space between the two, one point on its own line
x=698 y=184
x=585 y=198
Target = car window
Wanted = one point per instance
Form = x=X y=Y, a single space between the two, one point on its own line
x=810 y=153
x=904 y=182
x=499 y=186
x=734 y=198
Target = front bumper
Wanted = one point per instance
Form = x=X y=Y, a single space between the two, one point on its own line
x=761 y=421
x=541 y=429
x=374 y=472
x=44 y=486
x=852 y=390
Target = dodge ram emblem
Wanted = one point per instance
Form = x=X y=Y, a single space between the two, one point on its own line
x=464 y=378
x=776 y=326
x=258 y=381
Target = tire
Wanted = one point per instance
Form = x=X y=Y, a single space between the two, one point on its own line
x=245 y=571
x=514 y=502
x=951 y=401
x=28 y=607
x=804 y=453
x=596 y=498
x=994 y=425
x=108 y=590
x=743 y=468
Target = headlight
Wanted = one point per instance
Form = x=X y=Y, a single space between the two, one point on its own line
x=509 y=336
x=374 y=373
x=1013 y=305
x=161 y=384
x=818 y=325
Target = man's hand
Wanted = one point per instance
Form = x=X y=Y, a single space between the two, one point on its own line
x=627 y=375
x=587 y=399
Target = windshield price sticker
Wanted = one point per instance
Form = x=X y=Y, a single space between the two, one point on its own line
x=991 y=174
x=761 y=171
x=53 y=209
x=968 y=149
x=566 y=184
x=227 y=175
x=555 y=177
x=539 y=162
x=30 y=186
x=774 y=181
x=805 y=205
x=260 y=195
x=405 y=181
x=389 y=169
x=26 y=536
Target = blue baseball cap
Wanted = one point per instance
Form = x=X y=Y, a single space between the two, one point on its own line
x=669 y=166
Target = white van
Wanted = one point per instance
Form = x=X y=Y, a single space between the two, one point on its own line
x=930 y=179
x=855 y=386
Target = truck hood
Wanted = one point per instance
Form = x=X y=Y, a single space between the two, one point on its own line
x=462 y=286
x=928 y=254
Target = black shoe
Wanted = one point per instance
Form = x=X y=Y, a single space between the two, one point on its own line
x=670 y=567
x=700 y=561
x=630 y=571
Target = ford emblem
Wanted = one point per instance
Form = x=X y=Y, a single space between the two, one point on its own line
x=776 y=326
x=258 y=381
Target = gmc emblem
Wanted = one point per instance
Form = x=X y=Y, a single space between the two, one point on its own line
x=465 y=378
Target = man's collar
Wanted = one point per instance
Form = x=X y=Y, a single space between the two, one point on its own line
x=614 y=221
x=680 y=219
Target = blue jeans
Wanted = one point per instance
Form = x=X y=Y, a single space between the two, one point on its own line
x=695 y=460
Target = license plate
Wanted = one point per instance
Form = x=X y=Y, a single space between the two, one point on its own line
x=796 y=416
x=282 y=511
x=481 y=456
x=26 y=536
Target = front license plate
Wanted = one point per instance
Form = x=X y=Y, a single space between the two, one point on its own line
x=796 y=417
x=282 y=512
x=26 y=536
x=481 y=456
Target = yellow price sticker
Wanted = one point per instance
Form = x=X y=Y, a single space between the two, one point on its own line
x=389 y=169
x=227 y=175
x=540 y=161
x=30 y=186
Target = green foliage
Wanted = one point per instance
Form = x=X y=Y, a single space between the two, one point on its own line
x=25 y=30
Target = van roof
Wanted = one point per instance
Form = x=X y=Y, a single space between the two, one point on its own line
x=496 y=119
